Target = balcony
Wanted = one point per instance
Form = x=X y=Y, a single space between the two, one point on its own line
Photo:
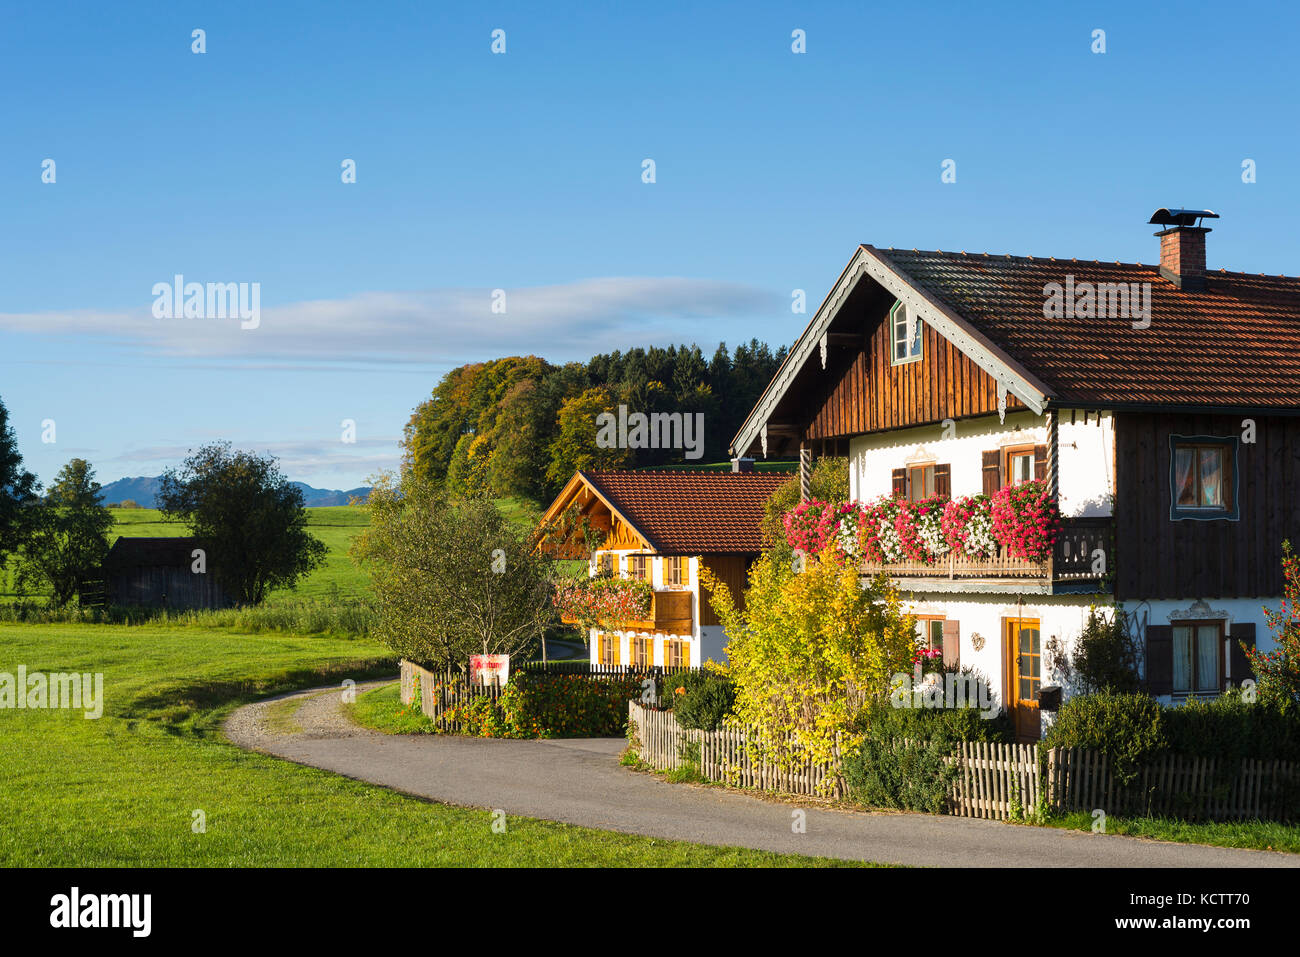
x=670 y=614
x=1071 y=568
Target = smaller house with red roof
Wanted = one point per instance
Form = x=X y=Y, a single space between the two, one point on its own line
x=663 y=527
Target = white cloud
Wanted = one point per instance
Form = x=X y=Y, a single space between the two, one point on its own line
x=447 y=325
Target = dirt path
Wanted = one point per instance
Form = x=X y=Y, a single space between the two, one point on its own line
x=579 y=781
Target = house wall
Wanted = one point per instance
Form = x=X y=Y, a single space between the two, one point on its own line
x=161 y=586
x=1158 y=557
x=1086 y=468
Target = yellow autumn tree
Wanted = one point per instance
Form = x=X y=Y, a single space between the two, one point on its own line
x=810 y=650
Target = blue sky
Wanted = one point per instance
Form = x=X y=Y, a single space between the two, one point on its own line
x=522 y=172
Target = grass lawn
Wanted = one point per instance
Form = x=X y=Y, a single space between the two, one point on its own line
x=122 y=790
x=1259 y=835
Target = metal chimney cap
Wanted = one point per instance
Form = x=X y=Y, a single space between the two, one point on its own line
x=1180 y=217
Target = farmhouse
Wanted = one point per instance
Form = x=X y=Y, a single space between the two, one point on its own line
x=662 y=528
x=160 y=573
x=1170 y=440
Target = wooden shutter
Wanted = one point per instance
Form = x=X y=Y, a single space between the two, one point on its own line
x=618 y=649
x=992 y=471
x=1040 y=462
x=900 y=482
x=943 y=480
x=1239 y=664
x=951 y=643
x=1160 y=659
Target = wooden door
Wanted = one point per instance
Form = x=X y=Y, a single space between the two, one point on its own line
x=1024 y=671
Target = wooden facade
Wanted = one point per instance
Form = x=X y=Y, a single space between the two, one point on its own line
x=1157 y=557
x=861 y=391
x=159 y=573
x=732 y=571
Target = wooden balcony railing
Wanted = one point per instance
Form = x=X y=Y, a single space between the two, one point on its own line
x=1072 y=559
x=670 y=613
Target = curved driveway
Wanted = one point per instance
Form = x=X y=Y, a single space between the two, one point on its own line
x=579 y=781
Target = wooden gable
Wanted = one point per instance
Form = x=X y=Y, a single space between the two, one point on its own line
x=561 y=527
x=860 y=390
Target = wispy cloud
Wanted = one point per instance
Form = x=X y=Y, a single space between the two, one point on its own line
x=445 y=325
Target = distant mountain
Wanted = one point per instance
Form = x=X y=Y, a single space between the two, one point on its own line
x=144 y=492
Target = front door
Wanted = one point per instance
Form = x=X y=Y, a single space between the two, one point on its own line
x=1024 y=646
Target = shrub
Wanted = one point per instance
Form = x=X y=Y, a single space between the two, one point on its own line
x=1128 y=728
x=539 y=704
x=700 y=699
x=1105 y=657
x=1230 y=728
x=1278 y=671
x=809 y=650
x=902 y=760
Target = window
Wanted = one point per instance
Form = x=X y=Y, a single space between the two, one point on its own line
x=676 y=654
x=605 y=563
x=1202 y=477
x=905 y=349
x=608 y=650
x=1020 y=464
x=642 y=652
x=930 y=631
x=920 y=482
x=677 y=570
x=1198 y=657
x=637 y=567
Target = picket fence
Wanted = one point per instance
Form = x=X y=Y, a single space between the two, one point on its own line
x=440 y=692
x=996 y=781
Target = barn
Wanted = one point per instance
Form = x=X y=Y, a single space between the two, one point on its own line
x=160 y=573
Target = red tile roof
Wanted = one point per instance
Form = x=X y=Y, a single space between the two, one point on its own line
x=1235 y=344
x=691 y=513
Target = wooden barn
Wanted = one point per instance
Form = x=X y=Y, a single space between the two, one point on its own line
x=159 y=573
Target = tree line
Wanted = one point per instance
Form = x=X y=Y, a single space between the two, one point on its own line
x=249 y=517
x=520 y=426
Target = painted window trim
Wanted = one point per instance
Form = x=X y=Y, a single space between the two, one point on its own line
x=1187 y=513
x=893 y=339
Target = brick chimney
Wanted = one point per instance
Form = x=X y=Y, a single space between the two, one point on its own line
x=1182 y=246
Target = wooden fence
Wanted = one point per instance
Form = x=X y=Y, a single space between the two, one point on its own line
x=994 y=780
x=440 y=692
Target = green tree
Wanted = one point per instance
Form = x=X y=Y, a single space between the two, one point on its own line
x=452 y=578
x=17 y=490
x=810 y=651
x=69 y=537
x=250 y=518
x=830 y=483
x=574 y=447
x=1278 y=671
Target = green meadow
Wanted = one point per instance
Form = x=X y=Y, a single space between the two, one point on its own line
x=123 y=789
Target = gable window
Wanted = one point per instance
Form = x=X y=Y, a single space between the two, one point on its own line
x=905 y=348
x=1198 y=657
x=636 y=567
x=1202 y=477
x=677 y=570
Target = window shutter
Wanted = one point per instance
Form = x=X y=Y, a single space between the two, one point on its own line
x=951 y=643
x=1160 y=659
x=943 y=480
x=1040 y=462
x=992 y=471
x=900 y=482
x=618 y=649
x=1243 y=633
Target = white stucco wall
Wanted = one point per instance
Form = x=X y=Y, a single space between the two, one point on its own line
x=1085 y=467
x=657 y=579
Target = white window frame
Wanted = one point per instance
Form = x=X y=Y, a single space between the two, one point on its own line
x=898 y=320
